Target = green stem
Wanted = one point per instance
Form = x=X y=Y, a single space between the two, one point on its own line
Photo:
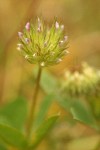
x=33 y=105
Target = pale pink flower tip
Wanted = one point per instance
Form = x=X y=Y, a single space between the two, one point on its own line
x=27 y=40
x=27 y=26
x=20 y=34
x=65 y=38
x=57 y=25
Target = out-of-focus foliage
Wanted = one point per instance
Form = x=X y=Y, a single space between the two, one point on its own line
x=14 y=113
x=11 y=136
x=81 y=81
x=14 y=116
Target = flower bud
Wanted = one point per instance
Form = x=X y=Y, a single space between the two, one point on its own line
x=20 y=34
x=61 y=43
x=34 y=55
x=59 y=60
x=26 y=56
x=19 y=46
x=57 y=25
x=27 y=40
x=39 y=25
x=65 y=52
x=65 y=38
x=42 y=64
x=27 y=26
x=62 y=27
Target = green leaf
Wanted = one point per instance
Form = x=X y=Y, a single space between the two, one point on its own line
x=78 y=110
x=47 y=79
x=83 y=114
x=14 y=113
x=43 y=130
x=2 y=147
x=43 y=109
x=66 y=103
x=12 y=136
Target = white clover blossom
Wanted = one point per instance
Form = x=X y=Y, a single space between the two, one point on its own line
x=84 y=82
x=43 y=45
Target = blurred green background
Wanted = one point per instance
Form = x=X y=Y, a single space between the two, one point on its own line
x=82 y=25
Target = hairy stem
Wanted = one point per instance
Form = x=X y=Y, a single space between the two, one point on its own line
x=33 y=105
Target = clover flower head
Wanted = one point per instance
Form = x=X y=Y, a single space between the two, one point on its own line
x=81 y=82
x=41 y=44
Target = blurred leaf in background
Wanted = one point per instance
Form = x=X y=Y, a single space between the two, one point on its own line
x=15 y=113
x=11 y=136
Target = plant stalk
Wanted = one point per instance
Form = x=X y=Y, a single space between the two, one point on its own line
x=33 y=105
